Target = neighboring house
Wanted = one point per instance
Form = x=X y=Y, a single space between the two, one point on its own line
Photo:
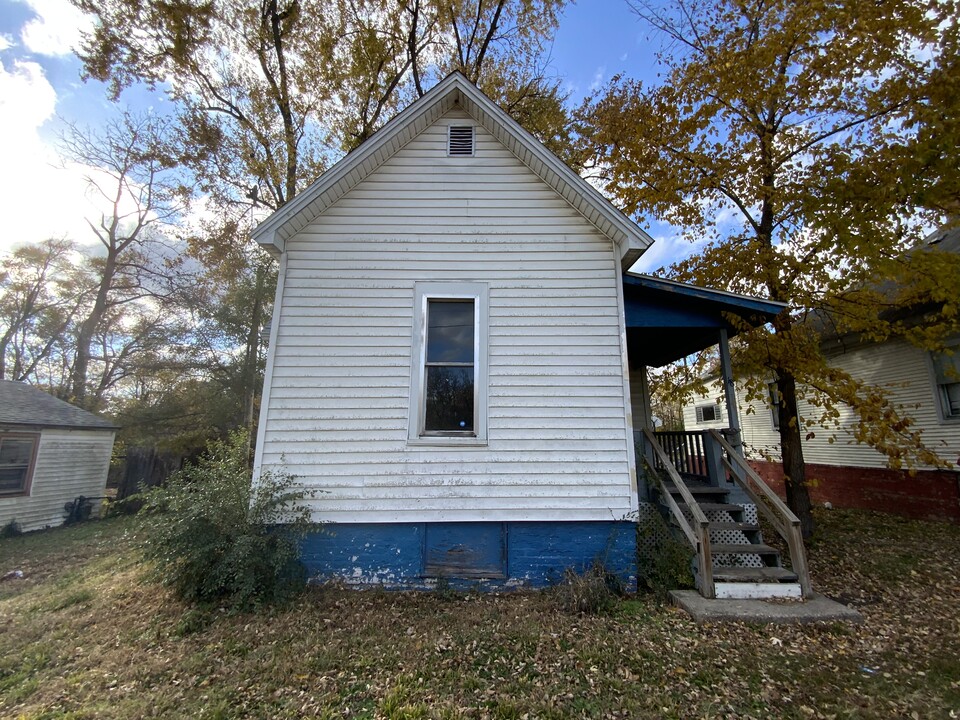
x=849 y=474
x=448 y=371
x=51 y=455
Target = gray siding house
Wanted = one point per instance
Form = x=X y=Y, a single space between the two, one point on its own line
x=51 y=454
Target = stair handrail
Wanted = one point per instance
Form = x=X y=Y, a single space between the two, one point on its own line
x=784 y=521
x=699 y=539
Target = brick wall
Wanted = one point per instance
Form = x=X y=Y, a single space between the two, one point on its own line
x=927 y=495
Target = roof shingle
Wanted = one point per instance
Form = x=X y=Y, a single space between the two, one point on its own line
x=22 y=404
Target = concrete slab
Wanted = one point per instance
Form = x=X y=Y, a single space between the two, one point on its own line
x=814 y=609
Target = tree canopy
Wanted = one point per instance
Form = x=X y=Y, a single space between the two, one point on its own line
x=804 y=146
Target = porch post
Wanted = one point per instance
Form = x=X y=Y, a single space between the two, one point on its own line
x=730 y=392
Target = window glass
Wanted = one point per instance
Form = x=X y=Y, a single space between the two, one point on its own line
x=450 y=331
x=15 y=456
x=449 y=401
x=947 y=372
x=708 y=413
x=774 y=404
x=449 y=372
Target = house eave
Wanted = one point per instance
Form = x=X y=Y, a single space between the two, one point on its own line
x=454 y=90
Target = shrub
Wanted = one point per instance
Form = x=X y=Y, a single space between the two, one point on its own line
x=11 y=529
x=215 y=539
x=592 y=592
x=663 y=562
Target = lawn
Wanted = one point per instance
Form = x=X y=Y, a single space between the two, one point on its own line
x=85 y=635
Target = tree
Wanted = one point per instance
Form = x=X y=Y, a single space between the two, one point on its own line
x=130 y=170
x=41 y=292
x=799 y=141
x=268 y=94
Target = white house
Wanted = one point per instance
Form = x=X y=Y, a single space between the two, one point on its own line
x=842 y=471
x=448 y=368
x=53 y=455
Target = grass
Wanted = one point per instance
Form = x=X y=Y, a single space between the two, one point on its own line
x=84 y=635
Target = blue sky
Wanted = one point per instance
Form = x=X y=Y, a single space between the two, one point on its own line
x=40 y=82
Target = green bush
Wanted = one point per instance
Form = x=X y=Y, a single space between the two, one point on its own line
x=215 y=539
x=663 y=562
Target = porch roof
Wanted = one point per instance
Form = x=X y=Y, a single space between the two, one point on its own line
x=668 y=320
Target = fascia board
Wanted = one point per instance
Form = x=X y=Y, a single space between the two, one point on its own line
x=270 y=232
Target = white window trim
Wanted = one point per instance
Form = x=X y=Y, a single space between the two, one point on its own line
x=717 y=412
x=937 y=392
x=773 y=398
x=423 y=293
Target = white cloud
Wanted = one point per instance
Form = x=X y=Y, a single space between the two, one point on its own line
x=598 y=78
x=56 y=29
x=6 y=42
x=40 y=198
x=665 y=251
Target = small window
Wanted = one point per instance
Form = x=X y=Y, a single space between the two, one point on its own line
x=17 y=453
x=448 y=380
x=946 y=370
x=709 y=413
x=460 y=140
x=450 y=367
x=774 y=396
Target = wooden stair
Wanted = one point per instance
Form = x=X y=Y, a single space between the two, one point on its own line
x=743 y=565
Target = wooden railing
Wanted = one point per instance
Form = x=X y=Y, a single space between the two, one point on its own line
x=773 y=508
x=685 y=450
x=697 y=535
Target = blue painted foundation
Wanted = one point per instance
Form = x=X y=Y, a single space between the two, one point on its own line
x=467 y=555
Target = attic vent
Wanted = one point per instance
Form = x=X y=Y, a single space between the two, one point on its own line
x=460 y=141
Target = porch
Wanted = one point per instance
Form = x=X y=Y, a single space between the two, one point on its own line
x=699 y=481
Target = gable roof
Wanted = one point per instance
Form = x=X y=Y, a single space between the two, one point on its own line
x=22 y=404
x=453 y=91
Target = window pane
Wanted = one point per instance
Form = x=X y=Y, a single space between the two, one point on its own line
x=15 y=452
x=450 y=331
x=12 y=479
x=449 y=401
x=952 y=399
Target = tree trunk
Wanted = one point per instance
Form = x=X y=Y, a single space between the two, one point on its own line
x=250 y=361
x=81 y=363
x=794 y=468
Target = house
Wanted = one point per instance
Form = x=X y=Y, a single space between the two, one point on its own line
x=842 y=471
x=52 y=454
x=448 y=373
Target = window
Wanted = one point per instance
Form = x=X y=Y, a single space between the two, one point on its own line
x=448 y=383
x=17 y=452
x=709 y=413
x=774 y=395
x=946 y=371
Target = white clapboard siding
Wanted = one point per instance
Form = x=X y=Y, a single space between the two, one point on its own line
x=901 y=369
x=337 y=415
x=70 y=463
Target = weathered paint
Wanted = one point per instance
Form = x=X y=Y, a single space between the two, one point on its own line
x=536 y=554
x=69 y=463
x=338 y=403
